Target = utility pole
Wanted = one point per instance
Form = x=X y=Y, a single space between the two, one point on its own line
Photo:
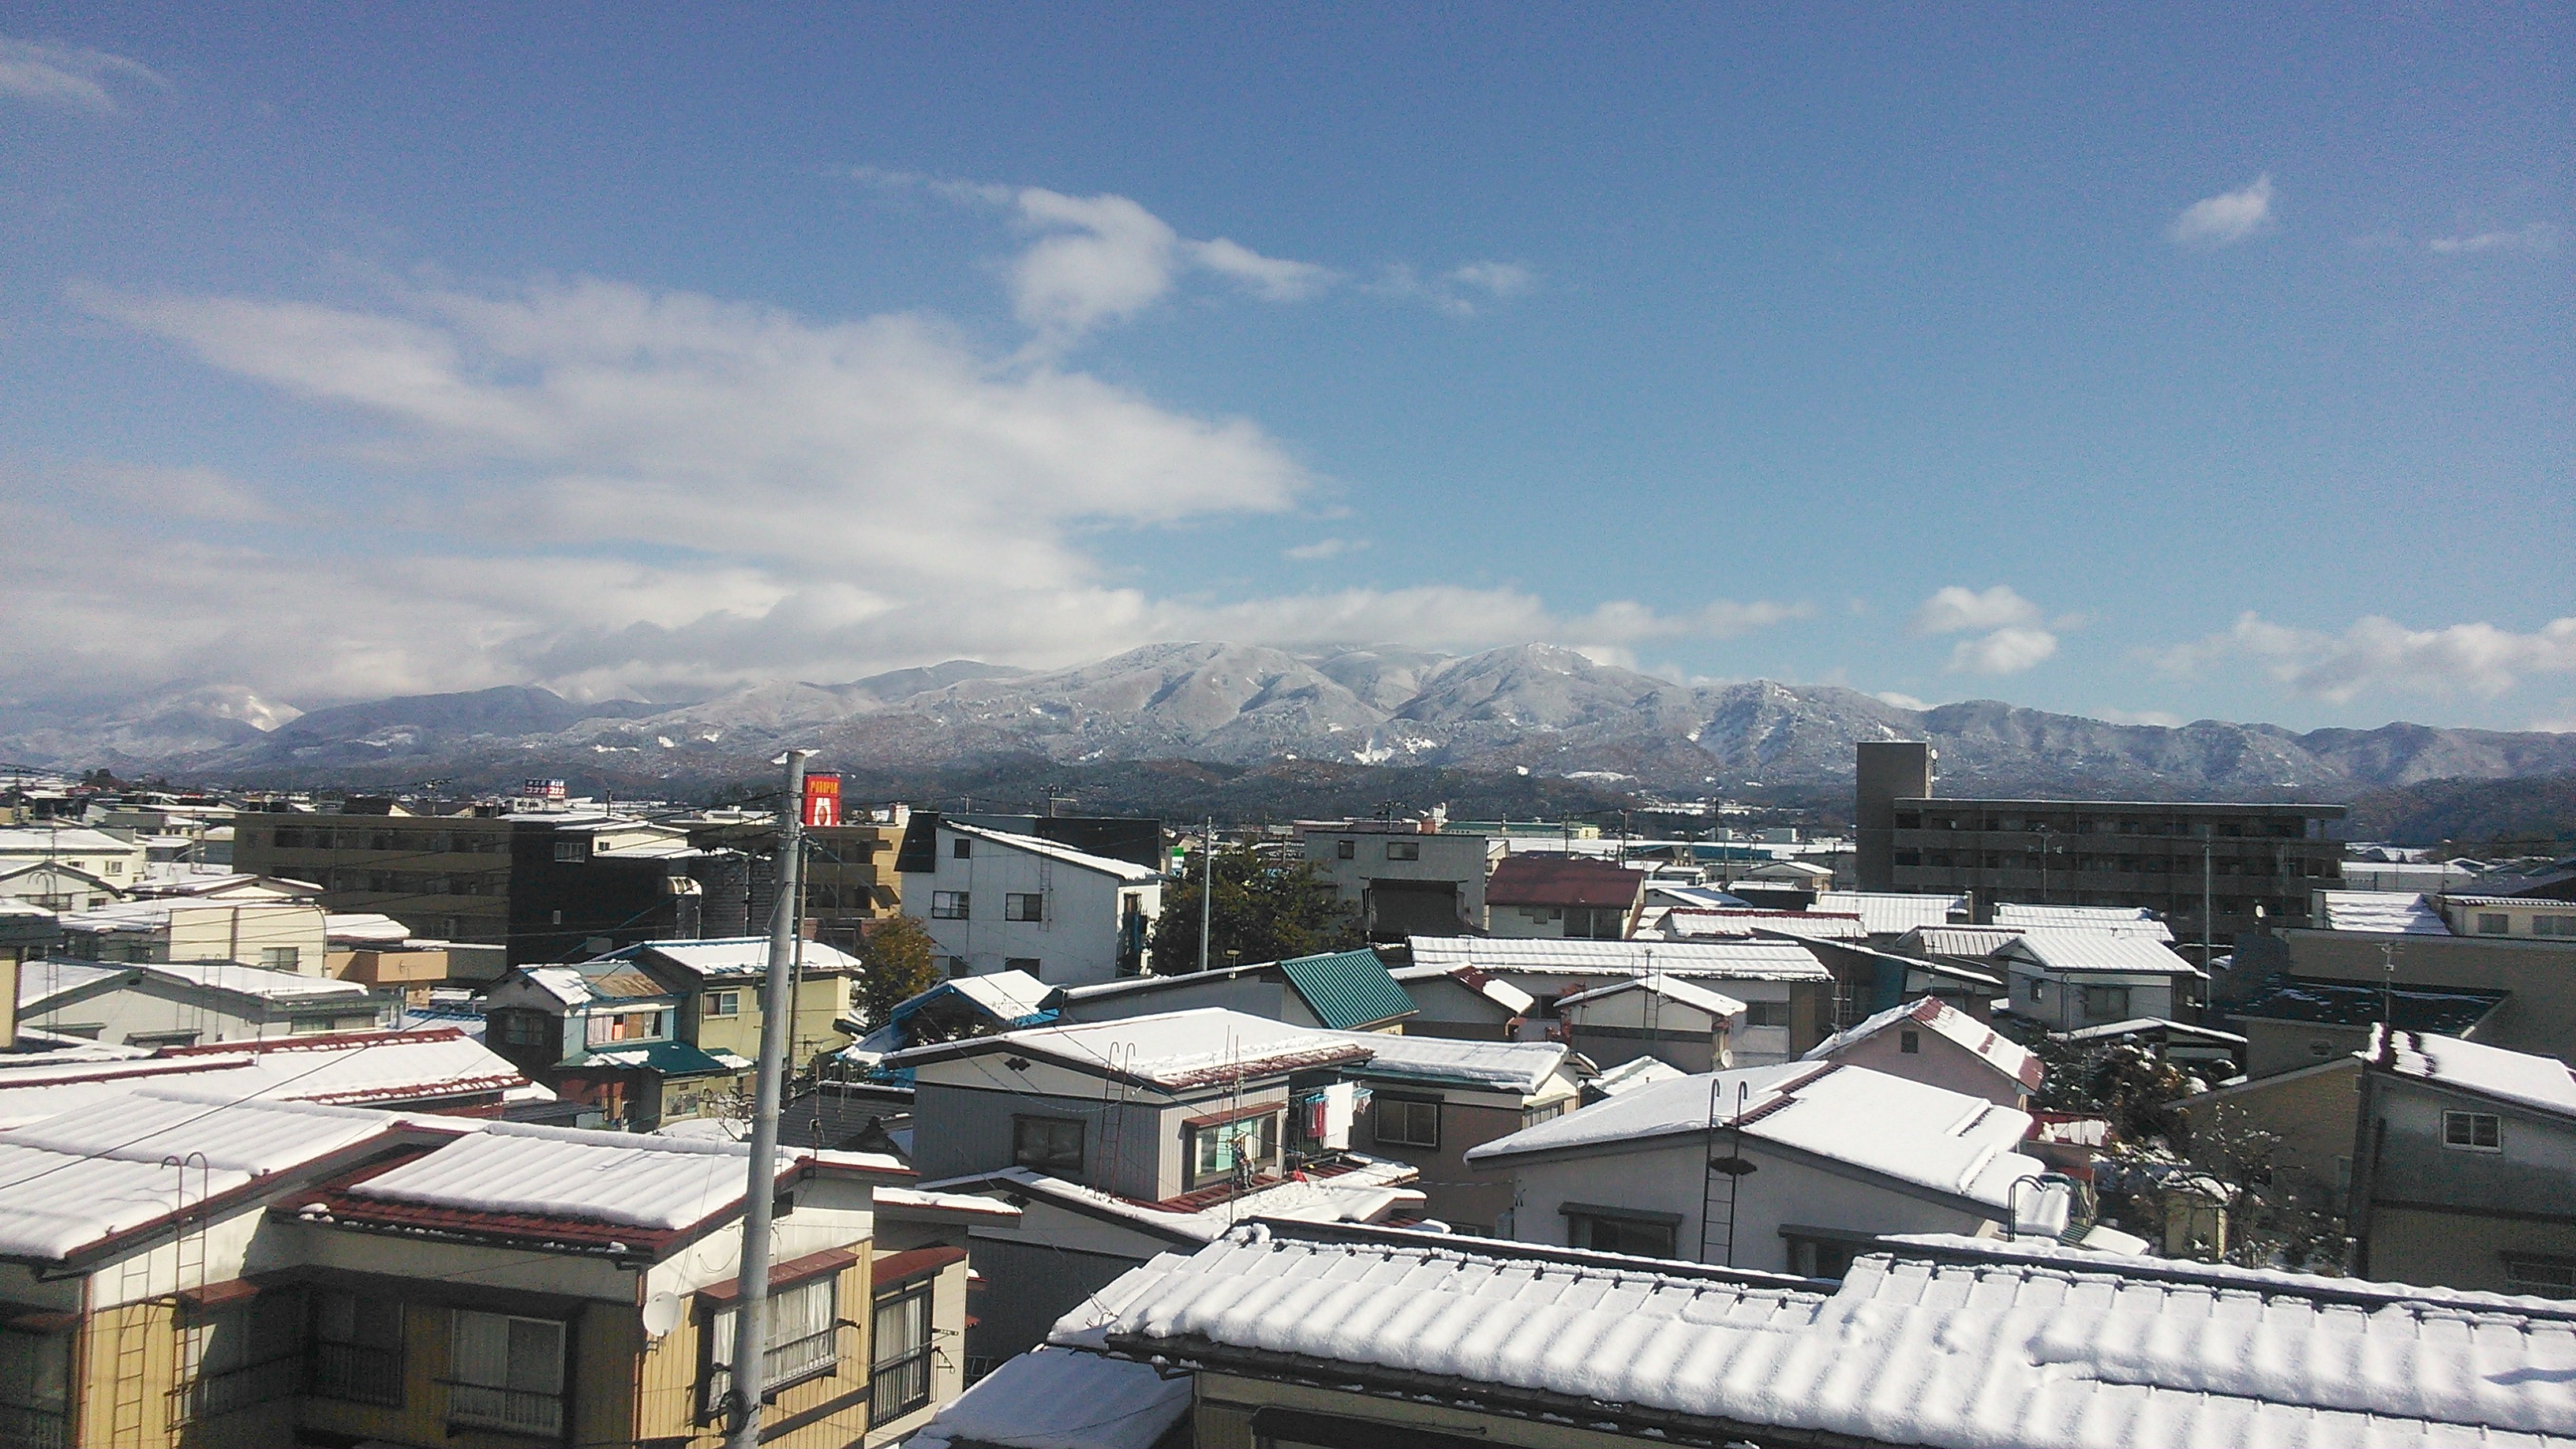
x=1207 y=886
x=751 y=1286
x=2208 y=921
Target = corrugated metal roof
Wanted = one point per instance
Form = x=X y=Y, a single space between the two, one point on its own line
x=1348 y=989
x=1542 y=880
x=2127 y=920
x=2382 y=913
x=1756 y=960
x=663 y=1058
x=2095 y=951
x=1886 y=913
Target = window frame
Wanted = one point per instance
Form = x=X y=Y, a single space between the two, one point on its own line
x=1025 y=907
x=1413 y=1110
x=355 y=1350
x=1264 y=1127
x=915 y=1358
x=717 y=1334
x=1761 y=1013
x=2460 y=1130
x=1048 y=1157
x=1909 y=1042
x=2559 y=1280
x=726 y=1003
x=1404 y=850
x=951 y=905
x=1584 y=1221
x=462 y=1407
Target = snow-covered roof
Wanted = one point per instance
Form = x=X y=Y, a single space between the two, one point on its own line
x=1888 y=913
x=1957 y=940
x=1979 y=1040
x=1629 y=1075
x=364 y=929
x=70 y=840
x=43 y=981
x=622 y=1178
x=1688 y=922
x=564 y=983
x=2380 y=913
x=1503 y=1066
x=2083 y=950
x=1719 y=960
x=2543 y=1084
x=1493 y=988
x=2126 y=920
x=1716 y=1004
x=54 y=978
x=1363 y=1194
x=1911 y=1132
x=79 y=1178
x=358 y=1068
x=1023 y=1404
x=2143 y=1025
x=1126 y=872
x=1173 y=1050
x=734 y=956
x=1008 y=995
x=1955 y=1343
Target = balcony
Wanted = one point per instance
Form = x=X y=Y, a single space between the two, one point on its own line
x=213 y=1394
x=518 y=1411
x=357 y=1373
x=28 y=1426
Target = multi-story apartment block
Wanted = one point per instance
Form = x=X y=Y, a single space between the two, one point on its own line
x=2213 y=870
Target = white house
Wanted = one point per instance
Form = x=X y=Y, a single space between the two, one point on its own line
x=1674 y=1021
x=186 y=1003
x=2078 y=978
x=1824 y=1158
x=1787 y=993
x=273 y=935
x=1929 y=1040
x=994 y=901
x=112 y=857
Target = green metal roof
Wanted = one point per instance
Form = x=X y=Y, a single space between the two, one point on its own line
x=663 y=1058
x=1348 y=990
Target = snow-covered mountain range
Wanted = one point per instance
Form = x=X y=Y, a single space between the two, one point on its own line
x=1531 y=708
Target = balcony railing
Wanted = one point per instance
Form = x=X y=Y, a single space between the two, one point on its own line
x=899 y=1386
x=34 y=1427
x=357 y=1373
x=517 y=1410
x=222 y=1393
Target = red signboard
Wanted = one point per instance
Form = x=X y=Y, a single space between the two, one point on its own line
x=822 y=800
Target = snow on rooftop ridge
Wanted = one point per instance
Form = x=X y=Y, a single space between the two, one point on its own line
x=1522 y=1067
x=1723 y=960
x=1629 y=1075
x=1494 y=989
x=1715 y=1003
x=1360 y=1195
x=734 y=955
x=2056 y=1351
x=1021 y=1405
x=350 y=1070
x=1172 y=1049
x=2381 y=913
x=2057 y=949
x=1124 y=870
x=2543 y=1083
x=628 y=1179
x=1689 y=923
x=2120 y=920
x=1889 y=913
x=1008 y=995
x=1909 y=1131
x=1988 y=1045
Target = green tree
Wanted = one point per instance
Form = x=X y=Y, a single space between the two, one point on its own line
x=1263 y=910
x=901 y=964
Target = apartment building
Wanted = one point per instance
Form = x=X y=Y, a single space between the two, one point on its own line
x=1403 y=877
x=1002 y=902
x=2213 y=870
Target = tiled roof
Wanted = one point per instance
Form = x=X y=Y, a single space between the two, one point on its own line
x=1952 y=1343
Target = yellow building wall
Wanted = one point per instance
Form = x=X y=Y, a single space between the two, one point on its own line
x=604 y=1343
x=820 y=1000
x=672 y=1390
x=128 y=1363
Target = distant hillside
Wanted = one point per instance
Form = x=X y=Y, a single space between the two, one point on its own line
x=2536 y=813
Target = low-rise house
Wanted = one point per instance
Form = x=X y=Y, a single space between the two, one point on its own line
x=255 y=1273
x=185 y=1003
x=2203 y=1050
x=2524 y=917
x=718 y=987
x=1683 y=1025
x=273 y=935
x=2464 y=1167
x=1434 y=1099
x=1752 y=922
x=960 y=1007
x=2380 y=913
x=1455 y=1000
x=1404 y=877
x=2305 y=1117
x=1933 y=1042
x=1784 y=1168
x=56 y=886
x=1120 y=1139
x=995 y=901
x=1315 y=1335
x=1886 y=915
x=608 y=1034
x=1787 y=992
x=1335 y=991
x=1563 y=897
x=2067 y=979
x=1868 y=980
x=110 y=860
x=2293 y=1022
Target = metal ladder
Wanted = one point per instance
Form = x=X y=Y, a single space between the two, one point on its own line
x=1717 y=1198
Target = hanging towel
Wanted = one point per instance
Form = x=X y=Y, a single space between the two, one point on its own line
x=1340 y=1105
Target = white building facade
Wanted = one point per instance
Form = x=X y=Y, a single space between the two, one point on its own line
x=994 y=901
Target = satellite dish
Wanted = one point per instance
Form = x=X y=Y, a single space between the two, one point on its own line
x=661 y=1314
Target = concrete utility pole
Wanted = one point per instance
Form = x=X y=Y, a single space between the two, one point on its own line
x=760 y=1192
x=1207 y=886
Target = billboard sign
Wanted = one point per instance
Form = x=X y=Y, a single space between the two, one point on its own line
x=822 y=800
x=542 y=789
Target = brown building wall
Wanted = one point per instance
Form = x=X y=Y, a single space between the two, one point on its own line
x=2539 y=1016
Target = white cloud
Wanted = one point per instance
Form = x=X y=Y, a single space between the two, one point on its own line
x=1462 y=291
x=1502 y=279
x=1275 y=278
x=2539 y=236
x=69 y=75
x=1901 y=701
x=1324 y=548
x=612 y=490
x=2378 y=654
x=1955 y=608
x=2224 y=219
x=2005 y=651
x=2163 y=718
x=2561 y=723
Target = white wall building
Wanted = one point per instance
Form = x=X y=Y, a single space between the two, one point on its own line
x=994 y=901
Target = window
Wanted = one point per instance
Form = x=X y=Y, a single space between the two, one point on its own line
x=280 y=958
x=2494 y=923
x=2540 y=1277
x=1401 y=1122
x=1766 y=1013
x=957 y=967
x=1030 y=964
x=899 y=1351
x=357 y=1349
x=948 y=905
x=724 y=1003
x=1049 y=1144
x=1023 y=906
x=803 y=1339
x=1823 y=1255
x=507 y=1372
x=1404 y=850
x=116 y=867
x=2106 y=1003
x=35 y=1386
x=2553 y=925
x=1616 y=1230
x=961 y=849
x=241 y=1357
x=157 y=1039
x=1534 y=1115
x=1228 y=1147
x=520 y=1028
x=1346 y=849
x=574 y=849
x=289 y=837
x=2474 y=1131
x=1910 y=1043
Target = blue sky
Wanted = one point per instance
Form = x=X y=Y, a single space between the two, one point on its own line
x=2161 y=365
